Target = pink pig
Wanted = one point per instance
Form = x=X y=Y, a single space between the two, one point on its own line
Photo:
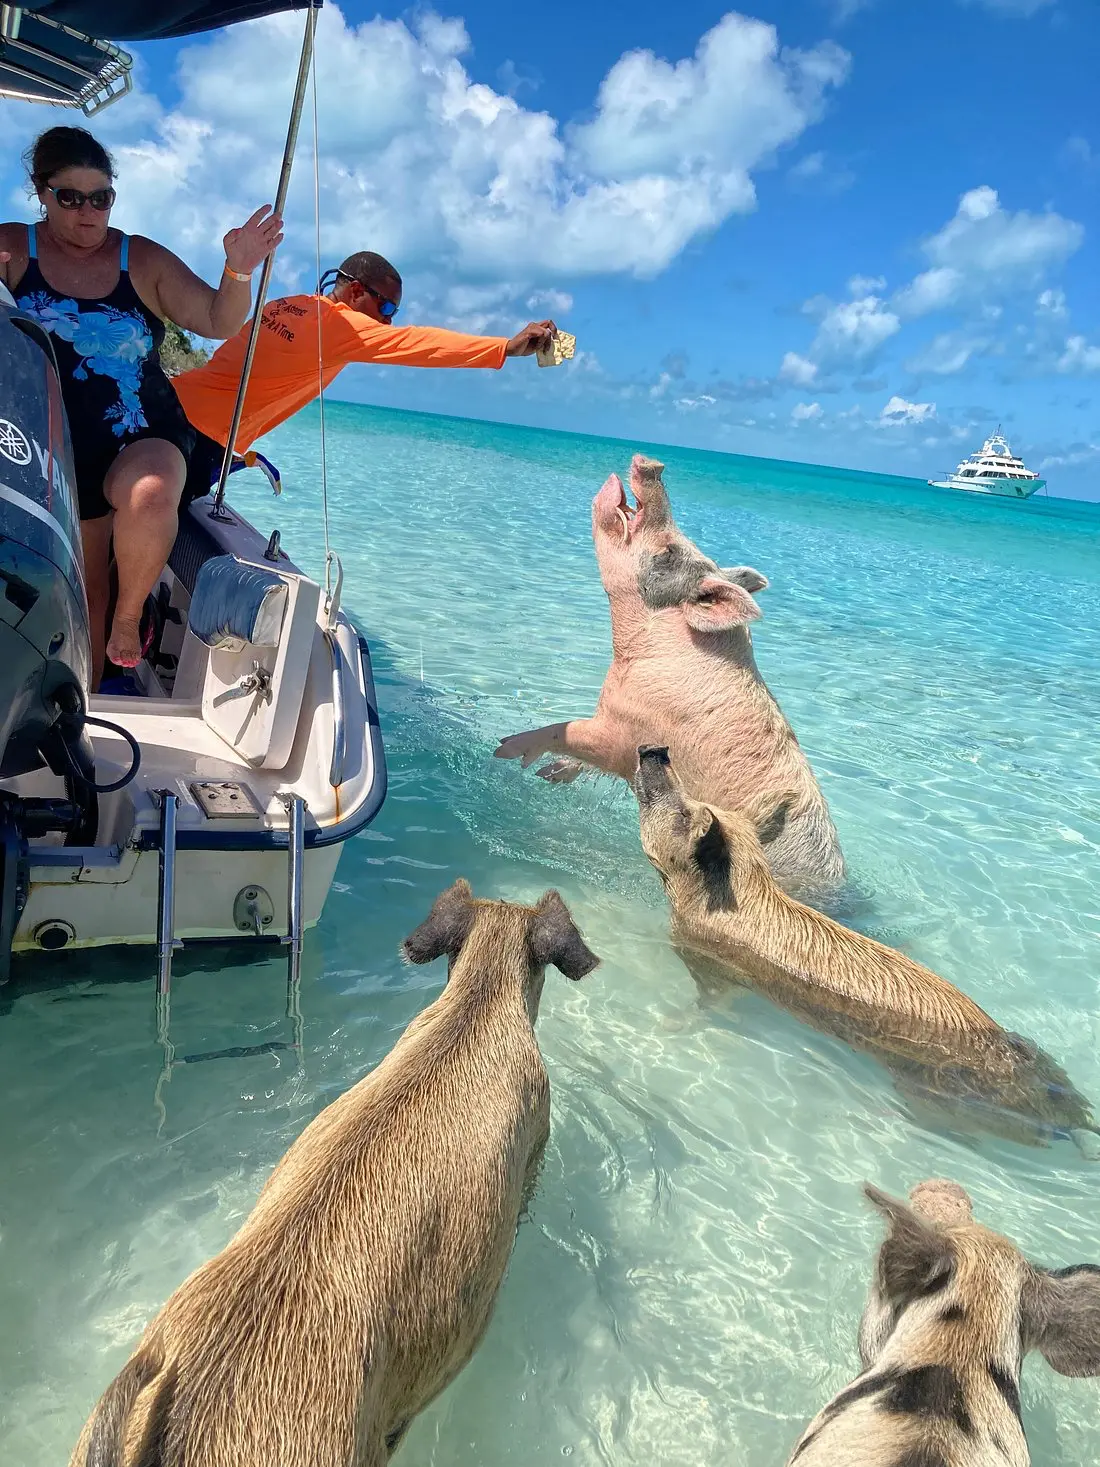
x=683 y=676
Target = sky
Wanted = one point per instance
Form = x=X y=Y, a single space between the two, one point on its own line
x=851 y=232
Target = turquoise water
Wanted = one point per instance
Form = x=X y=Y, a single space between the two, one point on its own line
x=690 y=1281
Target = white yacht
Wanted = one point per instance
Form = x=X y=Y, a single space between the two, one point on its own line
x=993 y=471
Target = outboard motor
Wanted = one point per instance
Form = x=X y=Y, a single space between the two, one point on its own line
x=45 y=650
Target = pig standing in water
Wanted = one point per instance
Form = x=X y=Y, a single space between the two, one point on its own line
x=683 y=675
x=365 y=1277
x=732 y=924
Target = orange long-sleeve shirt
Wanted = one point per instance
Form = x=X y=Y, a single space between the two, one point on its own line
x=284 y=372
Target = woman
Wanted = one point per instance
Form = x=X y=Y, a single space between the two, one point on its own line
x=104 y=298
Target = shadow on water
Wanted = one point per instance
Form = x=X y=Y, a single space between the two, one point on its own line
x=90 y=973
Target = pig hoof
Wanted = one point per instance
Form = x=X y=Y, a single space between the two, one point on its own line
x=523 y=746
x=1087 y=1143
x=560 y=771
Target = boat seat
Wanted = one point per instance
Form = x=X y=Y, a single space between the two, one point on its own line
x=234 y=604
x=250 y=638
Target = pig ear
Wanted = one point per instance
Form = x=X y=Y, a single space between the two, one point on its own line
x=769 y=813
x=554 y=939
x=718 y=606
x=1061 y=1317
x=711 y=854
x=916 y=1259
x=745 y=576
x=445 y=928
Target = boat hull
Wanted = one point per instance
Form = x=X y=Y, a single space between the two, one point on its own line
x=114 y=903
x=1000 y=488
x=232 y=831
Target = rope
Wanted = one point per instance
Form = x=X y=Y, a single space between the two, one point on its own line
x=320 y=334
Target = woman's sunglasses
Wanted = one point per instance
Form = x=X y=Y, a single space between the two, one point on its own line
x=71 y=198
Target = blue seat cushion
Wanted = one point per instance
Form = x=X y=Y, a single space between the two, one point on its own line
x=235 y=604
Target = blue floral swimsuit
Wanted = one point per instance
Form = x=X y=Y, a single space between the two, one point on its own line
x=112 y=383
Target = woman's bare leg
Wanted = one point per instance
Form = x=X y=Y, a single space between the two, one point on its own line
x=143 y=487
x=96 y=538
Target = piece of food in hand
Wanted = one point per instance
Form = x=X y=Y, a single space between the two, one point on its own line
x=561 y=348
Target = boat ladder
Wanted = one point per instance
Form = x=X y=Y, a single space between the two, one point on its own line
x=168 y=943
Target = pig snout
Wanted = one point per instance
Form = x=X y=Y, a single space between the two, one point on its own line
x=942 y=1202
x=654 y=751
x=652 y=779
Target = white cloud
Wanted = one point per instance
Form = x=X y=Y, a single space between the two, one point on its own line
x=478 y=308
x=810 y=167
x=898 y=412
x=556 y=302
x=987 y=249
x=454 y=181
x=852 y=331
x=843 y=10
x=947 y=353
x=849 y=333
x=1071 y=457
x=719 y=113
x=1079 y=150
x=815 y=173
x=690 y=403
x=806 y=412
x=930 y=291
x=1079 y=357
x=797 y=370
x=983 y=235
x=983 y=257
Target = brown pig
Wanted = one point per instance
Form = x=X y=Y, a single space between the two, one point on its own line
x=683 y=675
x=732 y=921
x=365 y=1276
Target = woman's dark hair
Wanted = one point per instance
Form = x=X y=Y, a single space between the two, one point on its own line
x=65 y=147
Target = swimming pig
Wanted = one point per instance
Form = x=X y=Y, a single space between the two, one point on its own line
x=365 y=1277
x=732 y=922
x=683 y=674
x=952 y=1311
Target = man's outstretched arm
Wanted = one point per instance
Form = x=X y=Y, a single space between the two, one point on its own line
x=368 y=340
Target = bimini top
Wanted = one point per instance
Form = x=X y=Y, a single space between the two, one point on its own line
x=63 y=51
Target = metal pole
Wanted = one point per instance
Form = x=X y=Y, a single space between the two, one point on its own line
x=166 y=894
x=296 y=853
x=265 y=275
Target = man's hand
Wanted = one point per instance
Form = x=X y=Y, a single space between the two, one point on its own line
x=535 y=336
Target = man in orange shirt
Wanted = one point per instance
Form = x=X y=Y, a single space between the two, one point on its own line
x=351 y=317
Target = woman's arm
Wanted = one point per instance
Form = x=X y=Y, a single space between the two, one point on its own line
x=13 y=253
x=179 y=295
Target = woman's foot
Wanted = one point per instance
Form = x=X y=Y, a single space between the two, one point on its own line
x=124 y=646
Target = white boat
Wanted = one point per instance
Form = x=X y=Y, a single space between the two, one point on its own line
x=994 y=470
x=213 y=802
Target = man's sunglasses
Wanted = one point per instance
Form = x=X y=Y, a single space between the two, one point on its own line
x=387 y=309
x=100 y=199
